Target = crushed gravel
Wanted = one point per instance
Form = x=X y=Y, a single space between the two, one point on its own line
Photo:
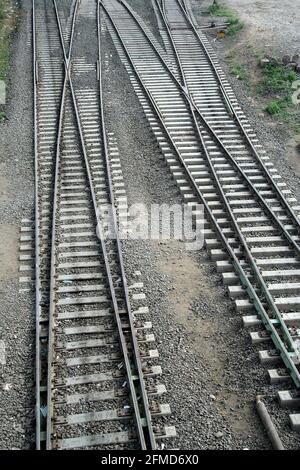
x=16 y=202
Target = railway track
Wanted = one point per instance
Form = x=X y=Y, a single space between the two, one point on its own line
x=97 y=385
x=252 y=219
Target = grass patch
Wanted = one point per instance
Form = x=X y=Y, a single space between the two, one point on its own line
x=235 y=25
x=276 y=106
x=4 y=57
x=277 y=80
x=219 y=10
x=7 y=25
x=239 y=71
x=269 y=84
x=2 y=116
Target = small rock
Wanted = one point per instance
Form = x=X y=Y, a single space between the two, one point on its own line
x=264 y=61
x=218 y=435
x=268 y=60
x=212 y=397
x=296 y=58
x=7 y=387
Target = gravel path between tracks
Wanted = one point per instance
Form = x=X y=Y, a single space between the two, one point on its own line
x=16 y=202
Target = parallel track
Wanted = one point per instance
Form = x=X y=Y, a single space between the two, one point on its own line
x=252 y=227
x=47 y=80
x=98 y=362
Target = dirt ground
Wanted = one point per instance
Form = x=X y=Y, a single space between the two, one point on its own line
x=273 y=23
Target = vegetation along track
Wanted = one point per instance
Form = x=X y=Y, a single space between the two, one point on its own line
x=96 y=383
x=252 y=223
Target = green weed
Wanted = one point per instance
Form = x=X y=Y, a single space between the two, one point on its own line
x=235 y=25
x=7 y=24
x=276 y=106
x=276 y=79
x=238 y=70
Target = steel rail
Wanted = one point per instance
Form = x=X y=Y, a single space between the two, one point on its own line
x=53 y=241
x=38 y=288
x=265 y=170
x=150 y=437
x=37 y=243
x=224 y=199
x=227 y=100
x=191 y=102
x=161 y=8
x=191 y=16
x=238 y=231
x=189 y=98
x=184 y=5
x=285 y=354
x=131 y=380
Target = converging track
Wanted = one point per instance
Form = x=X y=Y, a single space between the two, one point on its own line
x=252 y=221
x=96 y=382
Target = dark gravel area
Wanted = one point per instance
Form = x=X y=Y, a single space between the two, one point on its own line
x=16 y=202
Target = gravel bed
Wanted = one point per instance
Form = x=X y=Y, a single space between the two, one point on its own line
x=16 y=202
